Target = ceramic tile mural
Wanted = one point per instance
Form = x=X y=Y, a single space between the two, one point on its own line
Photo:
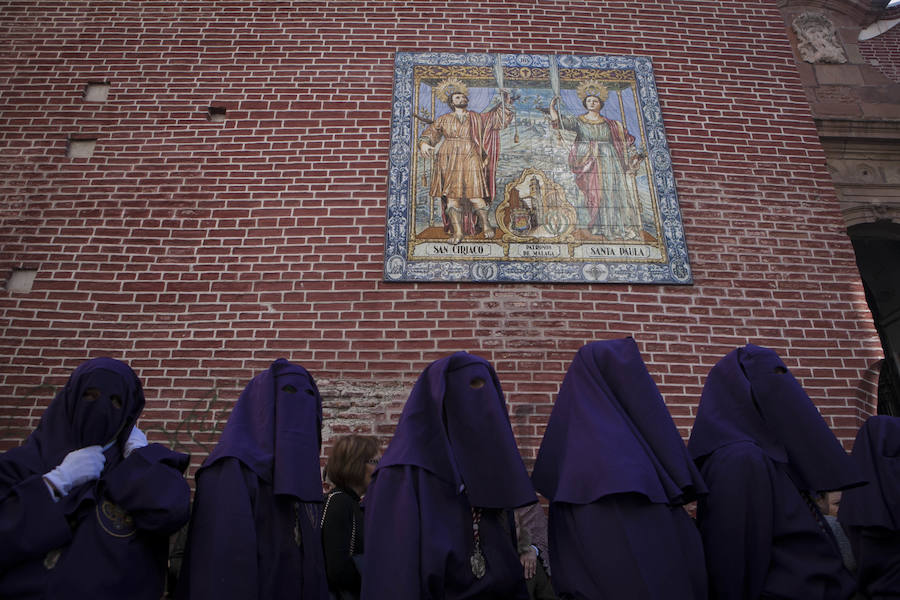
x=530 y=168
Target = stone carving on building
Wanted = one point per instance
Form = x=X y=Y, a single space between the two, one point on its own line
x=817 y=39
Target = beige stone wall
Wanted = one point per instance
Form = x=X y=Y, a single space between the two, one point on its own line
x=856 y=106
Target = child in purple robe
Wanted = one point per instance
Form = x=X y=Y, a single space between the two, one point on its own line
x=617 y=475
x=254 y=532
x=765 y=452
x=438 y=511
x=86 y=505
x=871 y=514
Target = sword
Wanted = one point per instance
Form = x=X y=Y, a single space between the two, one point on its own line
x=554 y=85
x=498 y=76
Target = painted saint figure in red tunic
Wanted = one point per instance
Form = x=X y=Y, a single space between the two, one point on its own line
x=466 y=160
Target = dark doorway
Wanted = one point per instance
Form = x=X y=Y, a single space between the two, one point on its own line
x=877 y=247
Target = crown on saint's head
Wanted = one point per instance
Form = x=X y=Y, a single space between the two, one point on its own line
x=592 y=87
x=450 y=86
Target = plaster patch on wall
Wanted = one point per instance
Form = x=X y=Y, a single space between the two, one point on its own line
x=359 y=407
x=21 y=280
x=96 y=91
x=81 y=147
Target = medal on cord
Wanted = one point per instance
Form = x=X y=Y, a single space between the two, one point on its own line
x=477 y=559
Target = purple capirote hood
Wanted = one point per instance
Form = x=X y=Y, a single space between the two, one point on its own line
x=59 y=433
x=462 y=434
x=611 y=433
x=750 y=395
x=876 y=454
x=276 y=433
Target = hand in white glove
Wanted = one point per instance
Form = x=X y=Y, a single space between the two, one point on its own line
x=136 y=439
x=79 y=466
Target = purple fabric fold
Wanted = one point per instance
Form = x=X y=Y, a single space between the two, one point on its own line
x=275 y=432
x=247 y=543
x=764 y=449
x=624 y=546
x=66 y=425
x=255 y=528
x=611 y=433
x=108 y=538
x=762 y=538
x=616 y=472
x=462 y=434
x=876 y=454
x=453 y=456
x=419 y=540
x=750 y=395
x=870 y=514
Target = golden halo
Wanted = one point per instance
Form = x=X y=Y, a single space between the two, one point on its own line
x=450 y=86
x=592 y=87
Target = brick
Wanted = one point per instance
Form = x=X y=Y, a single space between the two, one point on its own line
x=201 y=251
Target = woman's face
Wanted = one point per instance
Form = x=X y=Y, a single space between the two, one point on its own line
x=592 y=103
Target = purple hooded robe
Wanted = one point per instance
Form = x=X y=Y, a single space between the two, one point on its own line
x=617 y=473
x=763 y=448
x=871 y=514
x=108 y=538
x=254 y=532
x=453 y=456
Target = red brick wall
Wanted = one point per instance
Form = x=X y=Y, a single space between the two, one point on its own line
x=883 y=51
x=199 y=251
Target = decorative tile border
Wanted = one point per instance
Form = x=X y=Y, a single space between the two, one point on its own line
x=549 y=226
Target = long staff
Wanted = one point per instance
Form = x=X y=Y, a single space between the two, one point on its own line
x=425 y=161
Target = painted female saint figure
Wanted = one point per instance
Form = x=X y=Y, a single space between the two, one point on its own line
x=601 y=158
x=466 y=160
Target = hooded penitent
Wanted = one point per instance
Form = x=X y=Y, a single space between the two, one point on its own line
x=870 y=514
x=611 y=433
x=455 y=425
x=99 y=405
x=617 y=472
x=450 y=468
x=254 y=529
x=108 y=536
x=751 y=396
x=275 y=430
x=763 y=449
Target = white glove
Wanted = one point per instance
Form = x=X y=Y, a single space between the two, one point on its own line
x=136 y=439
x=79 y=466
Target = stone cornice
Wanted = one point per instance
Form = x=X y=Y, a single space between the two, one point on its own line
x=863 y=12
x=858 y=128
